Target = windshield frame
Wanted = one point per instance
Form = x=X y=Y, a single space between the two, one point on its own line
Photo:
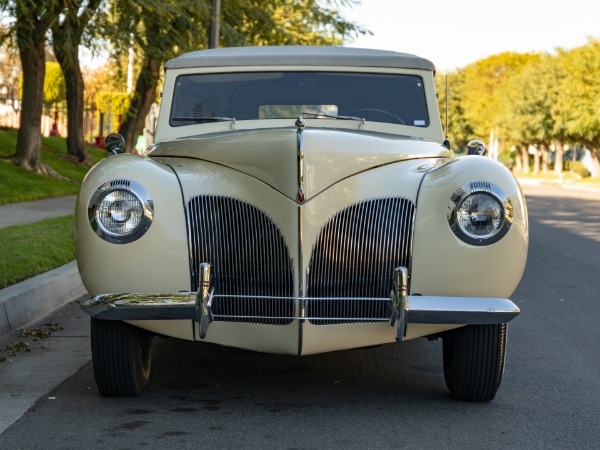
x=165 y=132
x=364 y=94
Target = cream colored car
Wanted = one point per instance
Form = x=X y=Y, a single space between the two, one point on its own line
x=300 y=200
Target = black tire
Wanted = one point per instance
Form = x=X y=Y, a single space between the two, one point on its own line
x=474 y=361
x=121 y=357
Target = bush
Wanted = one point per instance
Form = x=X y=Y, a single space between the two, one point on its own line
x=578 y=168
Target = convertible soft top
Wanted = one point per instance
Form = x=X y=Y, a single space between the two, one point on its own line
x=298 y=55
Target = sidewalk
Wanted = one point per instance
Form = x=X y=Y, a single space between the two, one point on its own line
x=29 y=212
x=50 y=297
x=566 y=184
x=29 y=301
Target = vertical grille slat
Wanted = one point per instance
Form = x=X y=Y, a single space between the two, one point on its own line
x=248 y=255
x=354 y=257
x=350 y=273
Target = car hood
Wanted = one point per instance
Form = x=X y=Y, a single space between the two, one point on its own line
x=272 y=155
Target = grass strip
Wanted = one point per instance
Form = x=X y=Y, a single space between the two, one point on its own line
x=20 y=185
x=28 y=250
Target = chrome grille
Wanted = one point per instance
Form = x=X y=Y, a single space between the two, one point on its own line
x=249 y=258
x=354 y=257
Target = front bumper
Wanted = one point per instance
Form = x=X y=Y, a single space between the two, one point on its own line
x=417 y=310
x=420 y=309
x=399 y=309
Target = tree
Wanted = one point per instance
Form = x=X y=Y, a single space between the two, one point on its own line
x=460 y=130
x=482 y=98
x=66 y=36
x=166 y=29
x=583 y=84
x=33 y=18
x=286 y=22
x=156 y=29
x=526 y=110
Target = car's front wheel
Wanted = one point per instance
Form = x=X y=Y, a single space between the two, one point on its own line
x=474 y=361
x=121 y=357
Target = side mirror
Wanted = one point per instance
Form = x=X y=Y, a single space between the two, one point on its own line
x=476 y=147
x=114 y=143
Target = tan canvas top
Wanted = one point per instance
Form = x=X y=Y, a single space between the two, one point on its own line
x=298 y=56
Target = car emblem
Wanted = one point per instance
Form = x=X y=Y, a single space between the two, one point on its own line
x=300 y=124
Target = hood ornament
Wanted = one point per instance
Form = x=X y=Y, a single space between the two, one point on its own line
x=300 y=124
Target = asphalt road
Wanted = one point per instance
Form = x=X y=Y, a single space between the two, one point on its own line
x=205 y=396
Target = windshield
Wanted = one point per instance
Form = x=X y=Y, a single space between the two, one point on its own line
x=397 y=99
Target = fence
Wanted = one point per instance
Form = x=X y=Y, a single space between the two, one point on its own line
x=96 y=124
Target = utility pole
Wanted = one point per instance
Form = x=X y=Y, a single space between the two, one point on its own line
x=130 y=66
x=215 y=29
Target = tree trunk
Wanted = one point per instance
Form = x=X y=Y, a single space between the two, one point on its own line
x=525 y=157
x=29 y=138
x=66 y=39
x=32 y=22
x=545 y=157
x=536 y=161
x=595 y=161
x=143 y=97
x=558 y=157
x=68 y=58
x=518 y=168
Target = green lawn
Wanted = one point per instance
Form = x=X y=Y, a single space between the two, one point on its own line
x=28 y=250
x=20 y=185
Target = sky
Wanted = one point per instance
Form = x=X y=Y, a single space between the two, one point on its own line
x=454 y=33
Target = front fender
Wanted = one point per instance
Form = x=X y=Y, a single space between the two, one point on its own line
x=157 y=261
x=445 y=265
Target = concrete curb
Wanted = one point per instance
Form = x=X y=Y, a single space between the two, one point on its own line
x=29 y=301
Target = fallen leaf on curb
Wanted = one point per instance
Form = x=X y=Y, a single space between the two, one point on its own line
x=34 y=334
x=42 y=332
x=17 y=347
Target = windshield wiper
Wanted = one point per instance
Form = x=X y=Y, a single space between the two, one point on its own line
x=331 y=116
x=201 y=118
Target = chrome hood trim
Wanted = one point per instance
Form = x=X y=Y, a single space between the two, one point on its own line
x=329 y=155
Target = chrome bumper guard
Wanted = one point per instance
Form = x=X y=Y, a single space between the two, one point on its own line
x=403 y=309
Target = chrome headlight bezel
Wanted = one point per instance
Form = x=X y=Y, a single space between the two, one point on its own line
x=495 y=193
x=139 y=193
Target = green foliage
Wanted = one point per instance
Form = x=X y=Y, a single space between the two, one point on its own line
x=528 y=99
x=526 y=104
x=285 y=22
x=54 y=84
x=460 y=129
x=583 y=74
x=22 y=257
x=578 y=168
x=113 y=103
x=484 y=81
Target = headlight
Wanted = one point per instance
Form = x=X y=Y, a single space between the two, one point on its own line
x=480 y=213
x=120 y=211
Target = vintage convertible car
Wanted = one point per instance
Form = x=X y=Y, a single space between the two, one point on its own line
x=300 y=200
